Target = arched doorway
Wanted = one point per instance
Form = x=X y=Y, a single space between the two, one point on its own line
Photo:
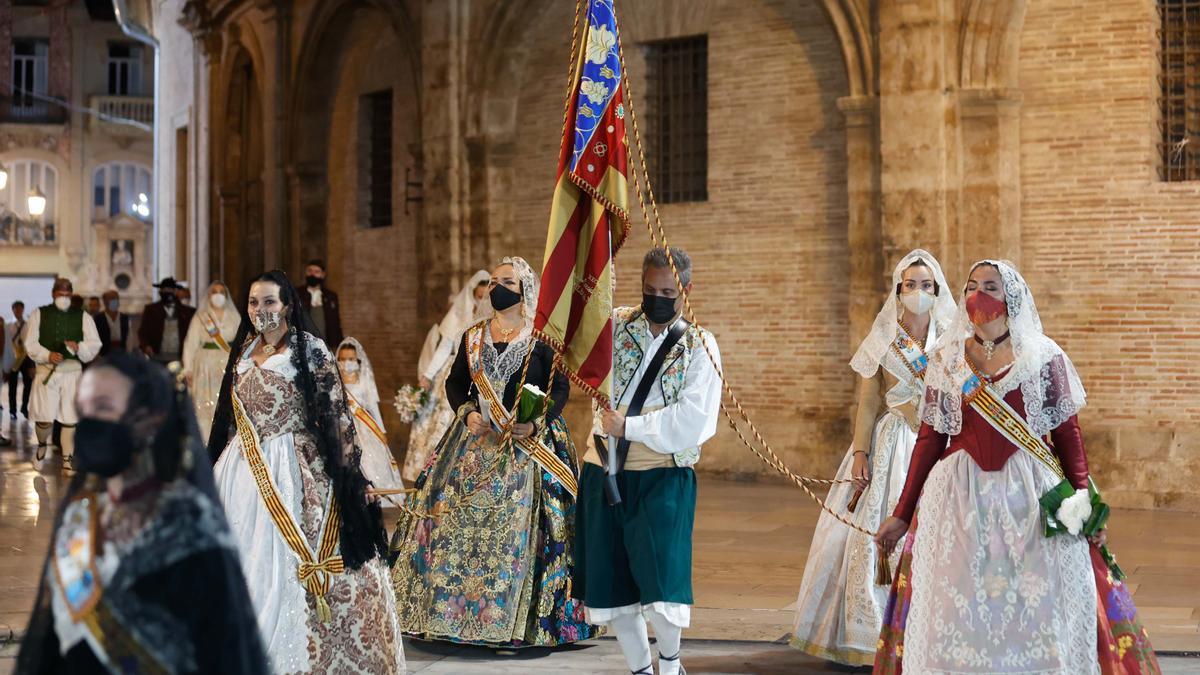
x=237 y=247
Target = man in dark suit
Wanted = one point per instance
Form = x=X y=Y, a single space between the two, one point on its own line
x=112 y=325
x=165 y=324
x=321 y=303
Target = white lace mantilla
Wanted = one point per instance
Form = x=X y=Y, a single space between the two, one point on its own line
x=1048 y=380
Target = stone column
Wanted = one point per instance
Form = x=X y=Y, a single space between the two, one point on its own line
x=867 y=267
x=277 y=247
x=915 y=126
x=989 y=212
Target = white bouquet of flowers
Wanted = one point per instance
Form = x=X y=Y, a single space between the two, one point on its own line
x=409 y=402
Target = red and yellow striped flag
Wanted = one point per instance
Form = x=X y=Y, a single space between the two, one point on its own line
x=588 y=217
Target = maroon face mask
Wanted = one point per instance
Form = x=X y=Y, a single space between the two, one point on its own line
x=983 y=308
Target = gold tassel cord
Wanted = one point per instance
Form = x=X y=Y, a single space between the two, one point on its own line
x=883 y=570
x=774 y=461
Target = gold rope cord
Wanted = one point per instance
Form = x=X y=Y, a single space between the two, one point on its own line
x=770 y=458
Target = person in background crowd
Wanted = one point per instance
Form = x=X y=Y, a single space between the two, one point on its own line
x=93 y=306
x=206 y=350
x=112 y=325
x=165 y=323
x=321 y=304
x=59 y=339
x=468 y=307
x=22 y=366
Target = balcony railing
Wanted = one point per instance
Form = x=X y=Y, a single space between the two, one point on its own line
x=25 y=109
x=129 y=113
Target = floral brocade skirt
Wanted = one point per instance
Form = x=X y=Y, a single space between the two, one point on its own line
x=493 y=562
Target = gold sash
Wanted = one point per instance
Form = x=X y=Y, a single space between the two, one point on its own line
x=365 y=417
x=1011 y=425
x=214 y=332
x=315 y=571
x=532 y=446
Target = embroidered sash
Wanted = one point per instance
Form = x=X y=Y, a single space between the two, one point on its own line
x=315 y=571
x=78 y=580
x=911 y=354
x=214 y=332
x=532 y=446
x=363 y=416
x=993 y=408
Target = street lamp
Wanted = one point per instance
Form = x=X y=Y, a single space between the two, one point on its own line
x=36 y=201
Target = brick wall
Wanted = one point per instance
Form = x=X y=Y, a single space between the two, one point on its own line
x=769 y=245
x=1112 y=253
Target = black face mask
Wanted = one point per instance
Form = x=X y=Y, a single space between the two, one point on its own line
x=504 y=297
x=658 y=309
x=168 y=298
x=103 y=448
x=314 y=281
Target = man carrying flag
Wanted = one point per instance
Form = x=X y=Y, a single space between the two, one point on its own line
x=637 y=493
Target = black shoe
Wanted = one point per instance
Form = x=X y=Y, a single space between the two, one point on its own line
x=648 y=670
x=5 y=443
x=41 y=452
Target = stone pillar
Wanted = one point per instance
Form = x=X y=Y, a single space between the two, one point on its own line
x=915 y=127
x=444 y=162
x=204 y=228
x=867 y=267
x=277 y=57
x=989 y=222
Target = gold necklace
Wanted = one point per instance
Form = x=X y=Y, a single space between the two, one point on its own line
x=505 y=333
x=270 y=349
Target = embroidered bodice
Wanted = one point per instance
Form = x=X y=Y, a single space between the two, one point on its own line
x=989 y=448
x=270 y=396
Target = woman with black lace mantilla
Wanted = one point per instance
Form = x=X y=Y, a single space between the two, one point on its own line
x=142 y=574
x=288 y=471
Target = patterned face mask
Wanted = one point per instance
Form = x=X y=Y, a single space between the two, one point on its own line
x=983 y=308
x=266 y=321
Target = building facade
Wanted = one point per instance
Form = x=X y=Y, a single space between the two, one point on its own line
x=76 y=114
x=800 y=147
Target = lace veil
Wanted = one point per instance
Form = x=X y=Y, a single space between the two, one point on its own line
x=883 y=332
x=366 y=374
x=462 y=308
x=1048 y=380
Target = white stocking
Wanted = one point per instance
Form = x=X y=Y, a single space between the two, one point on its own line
x=67 y=436
x=668 y=636
x=631 y=635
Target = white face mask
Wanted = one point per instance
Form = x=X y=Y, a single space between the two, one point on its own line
x=265 y=321
x=217 y=300
x=63 y=302
x=348 y=367
x=918 y=302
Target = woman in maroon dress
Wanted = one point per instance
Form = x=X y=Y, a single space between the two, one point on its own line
x=981 y=586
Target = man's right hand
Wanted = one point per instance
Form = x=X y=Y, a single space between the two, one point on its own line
x=56 y=358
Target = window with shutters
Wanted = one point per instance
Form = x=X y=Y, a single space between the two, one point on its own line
x=30 y=78
x=677 y=129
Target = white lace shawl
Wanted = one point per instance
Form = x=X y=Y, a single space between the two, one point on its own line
x=883 y=332
x=366 y=374
x=1048 y=380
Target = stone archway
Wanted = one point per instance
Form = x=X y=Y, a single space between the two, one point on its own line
x=236 y=241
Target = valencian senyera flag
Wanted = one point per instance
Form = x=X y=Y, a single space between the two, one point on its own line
x=588 y=217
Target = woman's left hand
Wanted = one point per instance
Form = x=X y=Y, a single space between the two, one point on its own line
x=1100 y=538
x=522 y=429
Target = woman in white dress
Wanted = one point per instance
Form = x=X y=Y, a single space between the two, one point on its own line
x=982 y=587
x=469 y=306
x=363 y=397
x=206 y=351
x=288 y=473
x=840 y=608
